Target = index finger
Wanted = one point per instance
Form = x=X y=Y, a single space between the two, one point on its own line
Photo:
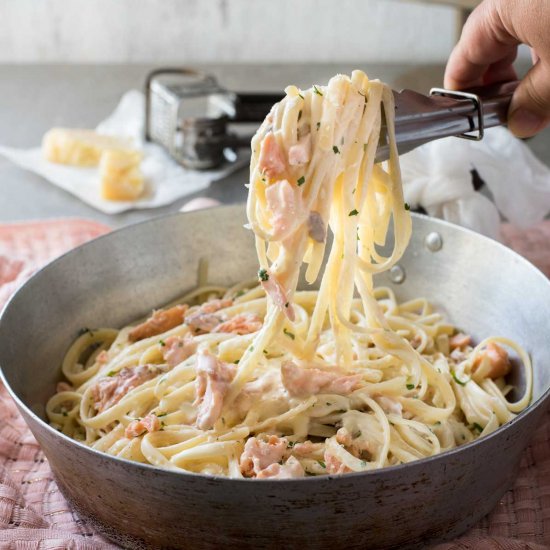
x=484 y=42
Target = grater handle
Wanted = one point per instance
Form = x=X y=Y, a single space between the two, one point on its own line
x=253 y=106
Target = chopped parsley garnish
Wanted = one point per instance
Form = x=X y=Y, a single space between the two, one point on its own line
x=263 y=275
x=236 y=361
x=410 y=386
x=356 y=434
x=290 y=444
x=160 y=415
x=336 y=150
x=317 y=91
x=251 y=349
x=289 y=334
x=64 y=413
x=111 y=373
x=301 y=97
x=299 y=115
x=318 y=125
x=477 y=427
x=407 y=206
x=328 y=403
x=354 y=212
x=240 y=293
x=162 y=343
x=301 y=181
x=265 y=352
x=365 y=147
x=322 y=464
x=457 y=380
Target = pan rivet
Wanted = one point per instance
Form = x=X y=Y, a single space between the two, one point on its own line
x=397 y=274
x=433 y=241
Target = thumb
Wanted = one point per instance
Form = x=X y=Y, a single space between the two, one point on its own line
x=529 y=110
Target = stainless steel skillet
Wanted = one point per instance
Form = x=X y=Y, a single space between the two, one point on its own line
x=482 y=286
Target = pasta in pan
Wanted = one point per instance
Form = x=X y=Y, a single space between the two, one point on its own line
x=262 y=380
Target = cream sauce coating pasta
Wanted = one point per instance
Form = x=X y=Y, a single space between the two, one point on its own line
x=261 y=380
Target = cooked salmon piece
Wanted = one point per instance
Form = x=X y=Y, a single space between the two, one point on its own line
x=244 y=323
x=310 y=381
x=211 y=385
x=109 y=390
x=161 y=321
x=272 y=160
x=334 y=465
x=260 y=453
x=149 y=423
x=290 y=469
x=495 y=359
x=460 y=340
x=203 y=319
x=177 y=349
x=300 y=153
x=285 y=203
x=275 y=290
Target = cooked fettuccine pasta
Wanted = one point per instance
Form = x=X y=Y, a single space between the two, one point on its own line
x=261 y=380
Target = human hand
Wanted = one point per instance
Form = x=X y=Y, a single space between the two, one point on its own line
x=488 y=47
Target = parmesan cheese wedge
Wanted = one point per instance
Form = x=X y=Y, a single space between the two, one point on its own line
x=80 y=147
x=121 y=177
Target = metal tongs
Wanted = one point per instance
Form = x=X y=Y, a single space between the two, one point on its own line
x=465 y=114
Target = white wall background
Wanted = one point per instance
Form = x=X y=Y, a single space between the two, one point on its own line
x=224 y=31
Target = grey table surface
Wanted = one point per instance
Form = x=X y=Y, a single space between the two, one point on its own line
x=34 y=98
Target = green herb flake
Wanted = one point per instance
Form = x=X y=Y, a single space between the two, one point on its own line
x=289 y=334
x=265 y=352
x=317 y=91
x=301 y=181
x=263 y=275
x=318 y=125
x=299 y=115
x=300 y=95
x=356 y=434
x=410 y=386
x=407 y=206
x=336 y=150
x=162 y=343
x=236 y=361
x=477 y=427
x=457 y=380
x=328 y=403
x=290 y=444
x=365 y=147
x=111 y=373
x=251 y=349
x=64 y=413
x=84 y=330
x=322 y=464
x=354 y=212
x=240 y=293
x=160 y=415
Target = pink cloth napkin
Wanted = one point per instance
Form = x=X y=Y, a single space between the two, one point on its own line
x=35 y=516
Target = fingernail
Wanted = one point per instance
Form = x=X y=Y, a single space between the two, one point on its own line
x=524 y=123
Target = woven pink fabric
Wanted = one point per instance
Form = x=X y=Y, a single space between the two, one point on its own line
x=34 y=515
